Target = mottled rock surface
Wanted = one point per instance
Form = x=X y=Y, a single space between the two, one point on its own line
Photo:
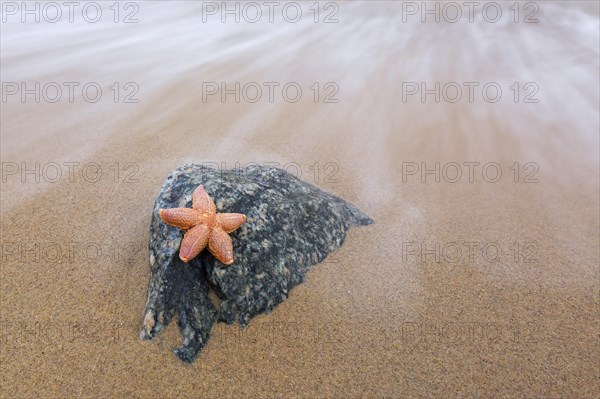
x=291 y=226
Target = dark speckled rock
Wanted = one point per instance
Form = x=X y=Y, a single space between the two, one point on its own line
x=291 y=226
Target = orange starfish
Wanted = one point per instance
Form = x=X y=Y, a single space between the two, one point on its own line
x=203 y=225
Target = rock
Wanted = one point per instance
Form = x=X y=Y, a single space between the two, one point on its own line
x=291 y=226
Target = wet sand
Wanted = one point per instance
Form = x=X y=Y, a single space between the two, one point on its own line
x=482 y=285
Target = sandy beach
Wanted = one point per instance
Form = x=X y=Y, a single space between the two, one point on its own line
x=473 y=144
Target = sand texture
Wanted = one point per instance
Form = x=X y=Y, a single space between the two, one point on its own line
x=478 y=279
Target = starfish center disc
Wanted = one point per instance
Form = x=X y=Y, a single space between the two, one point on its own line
x=207 y=219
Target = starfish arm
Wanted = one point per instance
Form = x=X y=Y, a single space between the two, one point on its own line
x=202 y=202
x=221 y=246
x=194 y=241
x=230 y=221
x=184 y=218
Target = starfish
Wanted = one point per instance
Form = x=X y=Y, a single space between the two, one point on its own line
x=204 y=226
